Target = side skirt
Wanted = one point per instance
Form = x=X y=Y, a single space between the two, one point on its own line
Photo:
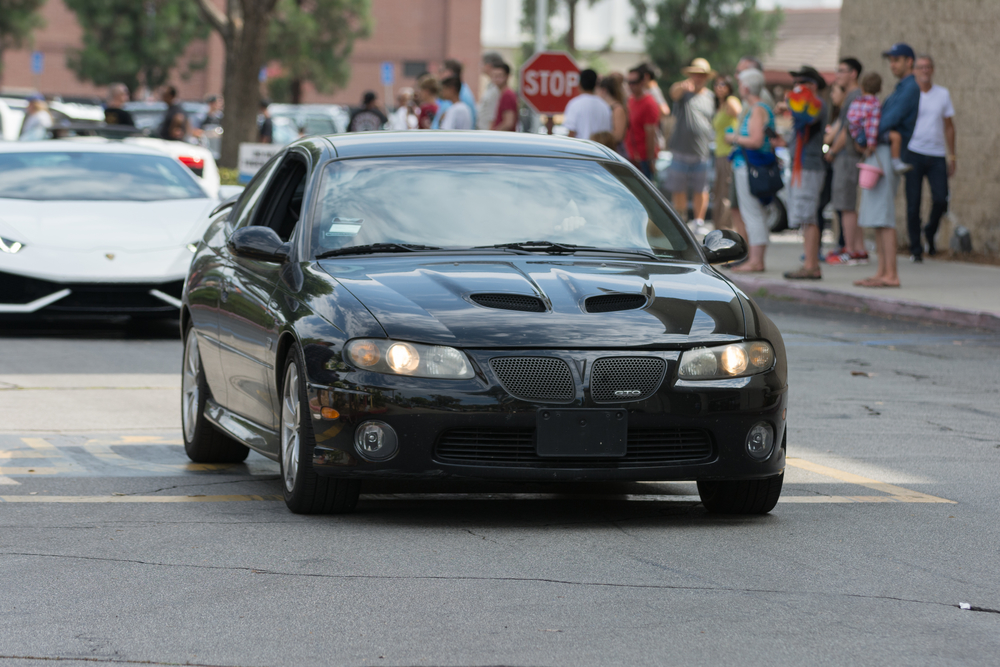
x=254 y=436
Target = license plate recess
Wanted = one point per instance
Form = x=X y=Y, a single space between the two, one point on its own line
x=581 y=432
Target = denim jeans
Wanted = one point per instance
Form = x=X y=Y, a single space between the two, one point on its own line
x=935 y=170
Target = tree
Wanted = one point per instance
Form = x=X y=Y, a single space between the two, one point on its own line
x=136 y=43
x=719 y=30
x=18 y=19
x=313 y=41
x=243 y=26
x=528 y=20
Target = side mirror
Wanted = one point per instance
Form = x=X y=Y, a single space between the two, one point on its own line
x=724 y=245
x=260 y=243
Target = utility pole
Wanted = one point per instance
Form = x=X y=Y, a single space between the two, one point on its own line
x=541 y=36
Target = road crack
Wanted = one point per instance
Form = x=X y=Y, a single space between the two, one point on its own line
x=115 y=661
x=537 y=580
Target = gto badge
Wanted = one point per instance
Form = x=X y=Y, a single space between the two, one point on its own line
x=109 y=255
x=626 y=393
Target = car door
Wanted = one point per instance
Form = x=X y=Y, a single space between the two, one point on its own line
x=248 y=322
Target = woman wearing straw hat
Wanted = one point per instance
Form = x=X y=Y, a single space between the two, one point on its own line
x=694 y=107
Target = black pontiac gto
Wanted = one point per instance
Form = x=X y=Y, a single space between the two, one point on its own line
x=492 y=306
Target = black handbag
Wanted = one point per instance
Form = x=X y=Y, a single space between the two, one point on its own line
x=765 y=179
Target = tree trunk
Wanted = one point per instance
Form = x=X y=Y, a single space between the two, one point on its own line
x=245 y=45
x=571 y=33
x=296 y=90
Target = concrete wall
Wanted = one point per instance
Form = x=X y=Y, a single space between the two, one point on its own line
x=961 y=37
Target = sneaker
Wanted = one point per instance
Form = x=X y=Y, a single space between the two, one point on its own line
x=843 y=258
x=836 y=253
x=916 y=259
x=899 y=166
x=858 y=258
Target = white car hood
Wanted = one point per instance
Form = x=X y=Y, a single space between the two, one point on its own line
x=83 y=241
x=85 y=226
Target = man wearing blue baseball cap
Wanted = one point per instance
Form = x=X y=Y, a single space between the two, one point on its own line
x=878 y=205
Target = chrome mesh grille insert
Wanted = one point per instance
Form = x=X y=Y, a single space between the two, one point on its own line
x=635 y=378
x=647 y=447
x=607 y=303
x=528 y=304
x=535 y=378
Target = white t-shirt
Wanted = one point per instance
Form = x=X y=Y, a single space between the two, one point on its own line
x=587 y=114
x=457 y=117
x=928 y=133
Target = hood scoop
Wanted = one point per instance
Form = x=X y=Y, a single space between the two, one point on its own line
x=607 y=303
x=500 y=301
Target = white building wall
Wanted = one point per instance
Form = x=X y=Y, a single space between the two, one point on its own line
x=595 y=25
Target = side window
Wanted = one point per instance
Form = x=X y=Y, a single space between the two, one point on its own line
x=244 y=210
x=281 y=205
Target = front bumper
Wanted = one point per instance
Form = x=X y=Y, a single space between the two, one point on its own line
x=476 y=429
x=21 y=295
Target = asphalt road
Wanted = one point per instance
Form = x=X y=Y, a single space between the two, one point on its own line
x=115 y=550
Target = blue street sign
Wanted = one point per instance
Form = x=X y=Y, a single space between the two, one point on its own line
x=37 y=62
x=262 y=75
x=388 y=73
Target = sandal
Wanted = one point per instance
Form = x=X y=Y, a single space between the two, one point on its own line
x=803 y=274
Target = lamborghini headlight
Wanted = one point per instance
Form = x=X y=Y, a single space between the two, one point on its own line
x=726 y=361
x=10 y=247
x=399 y=358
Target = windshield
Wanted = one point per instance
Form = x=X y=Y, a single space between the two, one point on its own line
x=83 y=176
x=462 y=201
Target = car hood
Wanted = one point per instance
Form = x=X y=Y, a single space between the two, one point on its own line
x=428 y=299
x=106 y=226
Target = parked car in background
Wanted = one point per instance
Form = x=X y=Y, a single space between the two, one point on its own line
x=95 y=227
x=149 y=115
x=10 y=122
x=294 y=120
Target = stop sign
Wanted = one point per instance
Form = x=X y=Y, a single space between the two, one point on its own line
x=548 y=81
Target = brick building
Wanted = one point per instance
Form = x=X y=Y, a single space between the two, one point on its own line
x=415 y=35
x=959 y=35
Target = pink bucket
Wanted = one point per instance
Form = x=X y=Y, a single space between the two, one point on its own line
x=868 y=175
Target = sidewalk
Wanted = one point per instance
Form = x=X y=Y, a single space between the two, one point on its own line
x=937 y=291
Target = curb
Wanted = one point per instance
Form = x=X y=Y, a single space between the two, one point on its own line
x=821 y=296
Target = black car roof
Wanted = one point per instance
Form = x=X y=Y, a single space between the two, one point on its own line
x=435 y=142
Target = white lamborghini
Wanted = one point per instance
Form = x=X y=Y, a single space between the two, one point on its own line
x=96 y=229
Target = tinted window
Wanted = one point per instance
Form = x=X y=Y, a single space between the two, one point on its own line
x=247 y=205
x=82 y=176
x=474 y=201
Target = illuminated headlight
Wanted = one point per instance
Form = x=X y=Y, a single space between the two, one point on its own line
x=10 y=247
x=726 y=361
x=399 y=358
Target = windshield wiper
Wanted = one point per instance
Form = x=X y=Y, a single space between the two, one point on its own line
x=375 y=247
x=554 y=248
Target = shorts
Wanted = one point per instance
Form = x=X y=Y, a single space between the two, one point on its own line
x=878 y=205
x=803 y=198
x=687 y=173
x=844 y=194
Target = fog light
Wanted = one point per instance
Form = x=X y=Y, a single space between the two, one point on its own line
x=375 y=441
x=760 y=441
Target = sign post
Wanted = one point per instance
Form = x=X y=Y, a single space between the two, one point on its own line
x=388 y=77
x=548 y=81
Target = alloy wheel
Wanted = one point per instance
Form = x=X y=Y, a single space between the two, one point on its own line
x=190 y=393
x=290 y=433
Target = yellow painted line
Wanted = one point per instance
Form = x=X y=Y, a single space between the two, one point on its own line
x=28 y=454
x=898 y=493
x=25 y=470
x=41 y=444
x=135 y=499
x=8 y=481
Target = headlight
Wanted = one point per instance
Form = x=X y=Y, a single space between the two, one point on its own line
x=8 y=246
x=726 y=361
x=399 y=358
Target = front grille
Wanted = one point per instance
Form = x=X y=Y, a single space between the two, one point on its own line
x=626 y=374
x=607 y=303
x=528 y=304
x=17 y=289
x=647 y=447
x=535 y=378
x=117 y=298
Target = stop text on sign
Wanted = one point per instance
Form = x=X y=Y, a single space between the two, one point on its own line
x=556 y=83
x=548 y=81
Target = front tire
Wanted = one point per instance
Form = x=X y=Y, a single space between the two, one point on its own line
x=306 y=492
x=745 y=496
x=202 y=441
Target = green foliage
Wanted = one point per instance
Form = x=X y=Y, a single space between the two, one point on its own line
x=313 y=39
x=135 y=42
x=719 y=30
x=18 y=19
